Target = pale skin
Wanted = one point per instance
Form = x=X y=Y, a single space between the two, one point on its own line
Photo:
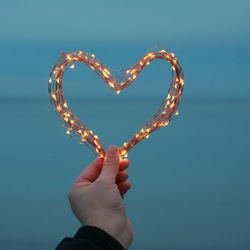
x=97 y=196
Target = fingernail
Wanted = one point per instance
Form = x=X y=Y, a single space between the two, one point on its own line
x=112 y=149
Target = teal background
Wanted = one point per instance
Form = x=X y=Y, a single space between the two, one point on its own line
x=190 y=180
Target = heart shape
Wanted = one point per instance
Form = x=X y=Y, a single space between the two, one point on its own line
x=160 y=119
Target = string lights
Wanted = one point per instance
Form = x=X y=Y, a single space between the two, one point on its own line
x=160 y=119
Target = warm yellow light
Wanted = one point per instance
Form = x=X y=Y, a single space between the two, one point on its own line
x=69 y=57
x=165 y=112
x=59 y=108
x=181 y=81
x=53 y=96
x=111 y=84
x=172 y=105
x=106 y=73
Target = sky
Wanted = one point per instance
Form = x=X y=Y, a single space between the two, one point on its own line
x=211 y=39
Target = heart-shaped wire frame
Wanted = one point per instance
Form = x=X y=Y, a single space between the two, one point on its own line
x=161 y=117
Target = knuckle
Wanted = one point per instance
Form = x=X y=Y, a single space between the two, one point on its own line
x=109 y=163
x=100 y=182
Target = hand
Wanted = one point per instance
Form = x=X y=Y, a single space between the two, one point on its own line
x=97 y=196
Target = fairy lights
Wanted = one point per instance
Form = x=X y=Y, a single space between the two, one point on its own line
x=160 y=119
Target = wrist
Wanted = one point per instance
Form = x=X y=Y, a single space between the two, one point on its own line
x=120 y=235
x=118 y=232
x=100 y=237
x=114 y=225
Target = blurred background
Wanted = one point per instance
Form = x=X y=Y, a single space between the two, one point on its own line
x=190 y=180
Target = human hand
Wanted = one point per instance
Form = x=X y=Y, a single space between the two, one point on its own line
x=96 y=197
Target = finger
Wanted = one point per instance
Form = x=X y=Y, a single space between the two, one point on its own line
x=121 y=176
x=110 y=165
x=124 y=163
x=124 y=187
x=91 y=173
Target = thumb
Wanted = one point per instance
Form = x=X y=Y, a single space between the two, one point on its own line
x=110 y=165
